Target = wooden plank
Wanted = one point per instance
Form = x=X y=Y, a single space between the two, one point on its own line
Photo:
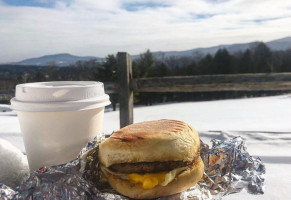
x=124 y=89
x=208 y=83
x=205 y=83
x=261 y=86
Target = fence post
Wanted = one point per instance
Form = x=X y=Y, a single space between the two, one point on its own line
x=124 y=89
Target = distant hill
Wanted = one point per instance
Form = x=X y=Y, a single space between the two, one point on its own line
x=274 y=45
x=280 y=44
x=232 y=48
x=63 y=59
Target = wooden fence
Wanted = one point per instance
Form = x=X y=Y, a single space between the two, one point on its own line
x=203 y=83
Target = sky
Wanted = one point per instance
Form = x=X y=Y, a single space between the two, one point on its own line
x=33 y=28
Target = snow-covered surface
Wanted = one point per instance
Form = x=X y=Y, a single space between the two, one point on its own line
x=13 y=164
x=5 y=108
x=264 y=122
x=253 y=114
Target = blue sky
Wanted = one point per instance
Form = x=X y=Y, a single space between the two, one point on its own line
x=35 y=3
x=130 y=6
x=136 y=6
x=31 y=28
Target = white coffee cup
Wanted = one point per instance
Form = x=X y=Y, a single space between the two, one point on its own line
x=57 y=119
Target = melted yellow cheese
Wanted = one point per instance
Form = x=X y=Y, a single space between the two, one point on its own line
x=150 y=180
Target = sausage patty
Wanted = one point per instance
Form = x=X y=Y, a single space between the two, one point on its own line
x=148 y=167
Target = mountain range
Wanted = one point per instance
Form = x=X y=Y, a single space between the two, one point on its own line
x=65 y=59
x=274 y=45
x=62 y=59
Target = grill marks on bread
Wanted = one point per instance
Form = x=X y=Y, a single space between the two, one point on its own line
x=134 y=133
x=119 y=135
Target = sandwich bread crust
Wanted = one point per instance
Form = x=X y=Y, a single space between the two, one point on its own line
x=152 y=141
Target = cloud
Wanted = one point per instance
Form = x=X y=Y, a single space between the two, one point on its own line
x=90 y=27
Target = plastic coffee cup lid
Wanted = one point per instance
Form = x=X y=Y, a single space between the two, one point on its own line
x=59 y=96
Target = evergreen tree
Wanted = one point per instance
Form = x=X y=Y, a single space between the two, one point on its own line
x=245 y=63
x=39 y=77
x=52 y=73
x=262 y=58
x=191 y=69
x=286 y=61
x=162 y=70
x=222 y=62
x=145 y=63
x=205 y=66
x=277 y=61
x=109 y=69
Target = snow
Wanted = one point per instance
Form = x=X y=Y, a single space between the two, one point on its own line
x=264 y=122
x=10 y=130
x=254 y=114
x=5 y=108
x=13 y=164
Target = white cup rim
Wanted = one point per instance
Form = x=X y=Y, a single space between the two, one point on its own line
x=59 y=96
x=59 y=106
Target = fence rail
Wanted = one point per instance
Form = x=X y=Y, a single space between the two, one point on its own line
x=208 y=83
x=211 y=83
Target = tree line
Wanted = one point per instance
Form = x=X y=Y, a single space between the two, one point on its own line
x=257 y=59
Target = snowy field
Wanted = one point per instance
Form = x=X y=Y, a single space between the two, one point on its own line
x=264 y=122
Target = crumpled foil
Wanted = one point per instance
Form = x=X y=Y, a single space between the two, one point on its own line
x=6 y=192
x=228 y=169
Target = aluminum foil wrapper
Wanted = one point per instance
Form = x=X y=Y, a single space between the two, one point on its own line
x=6 y=192
x=228 y=169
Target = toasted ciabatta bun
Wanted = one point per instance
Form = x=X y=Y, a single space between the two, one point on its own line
x=160 y=140
x=183 y=181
